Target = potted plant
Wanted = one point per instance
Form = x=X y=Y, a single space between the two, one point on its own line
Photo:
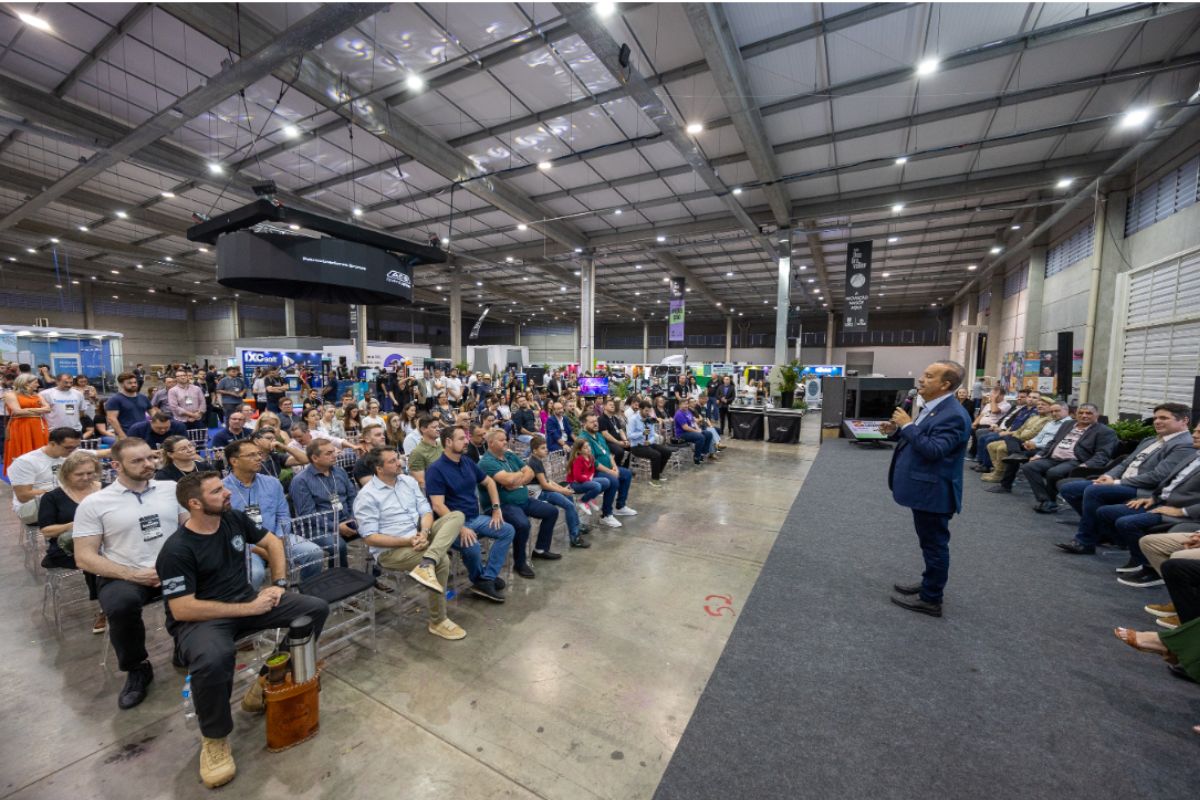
x=789 y=375
x=1129 y=433
x=462 y=367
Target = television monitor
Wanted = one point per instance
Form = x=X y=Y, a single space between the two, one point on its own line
x=865 y=429
x=878 y=403
x=593 y=387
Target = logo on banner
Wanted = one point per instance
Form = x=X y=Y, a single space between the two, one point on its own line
x=399 y=278
x=677 y=312
x=858 y=285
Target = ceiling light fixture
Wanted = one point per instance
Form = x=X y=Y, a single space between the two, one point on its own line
x=508 y=259
x=168 y=258
x=523 y=227
x=53 y=240
x=660 y=239
x=203 y=249
x=1016 y=227
x=893 y=239
x=695 y=128
x=445 y=240
x=358 y=212
x=901 y=161
x=1135 y=118
x=972 y=267
x=886 y=274
x=996 y=250
x=83 y=228
x=30 y=250
x=637 y=266
x=293 y=226
x=928 y=66
x=33 y=21
x=414 y=82
x=122 y=215
x=291 y=131
x=578 y=249
x=605 y=10
x=618 y=211
x=897 y=208
x=737 y=190
x=137 y=266
x=1064 y=183
x=216 y=169
x=167 y=194
x=544 y=165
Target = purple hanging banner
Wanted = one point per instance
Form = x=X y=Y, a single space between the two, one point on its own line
x=678 y=288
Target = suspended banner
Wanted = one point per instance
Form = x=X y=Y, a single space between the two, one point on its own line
x=479 y=322
x=858 y=285
x=678 y=289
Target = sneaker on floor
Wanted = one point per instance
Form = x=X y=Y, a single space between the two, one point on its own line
x=610 y=522
x=426 y=575
x=583 y=508
x=1142 y=579
x=657 y=484
x=1132 y=565
x=253 y=701
x=625 y=511
x=137 y=683
x=596 y=506
x=1170 y=623
x=487 y=590
x=217 y=767
x=1161 y=610
x=447 y=629
x=100 y=625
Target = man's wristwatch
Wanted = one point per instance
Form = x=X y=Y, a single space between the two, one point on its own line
x=281 y=583
x=495 y=506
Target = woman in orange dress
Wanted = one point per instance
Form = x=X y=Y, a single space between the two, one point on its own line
x=26 y=419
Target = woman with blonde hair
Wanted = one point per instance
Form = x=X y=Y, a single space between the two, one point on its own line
x=78 y=477
x=27 y=412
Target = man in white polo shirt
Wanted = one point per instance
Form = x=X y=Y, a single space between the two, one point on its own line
x=65 y=404
x=118 y=533
x=36 y=472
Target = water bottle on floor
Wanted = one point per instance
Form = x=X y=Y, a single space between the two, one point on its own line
x=189 y=710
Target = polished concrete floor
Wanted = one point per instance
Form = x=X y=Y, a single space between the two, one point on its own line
x=578 y=687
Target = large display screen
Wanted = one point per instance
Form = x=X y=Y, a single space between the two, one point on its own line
x=593 y=387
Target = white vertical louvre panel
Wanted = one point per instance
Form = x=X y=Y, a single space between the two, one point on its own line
x=1165 y=196
x=1161 y=356
x=1071 y=249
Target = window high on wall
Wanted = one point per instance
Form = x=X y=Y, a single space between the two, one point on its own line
x=1074 y=248
x=1168 y=195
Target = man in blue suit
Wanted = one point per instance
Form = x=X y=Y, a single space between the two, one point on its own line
x=926 y=476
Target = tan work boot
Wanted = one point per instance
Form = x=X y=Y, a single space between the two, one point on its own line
x=253 y=701
x=216 y=762
x=448 y=629
x=426 y=575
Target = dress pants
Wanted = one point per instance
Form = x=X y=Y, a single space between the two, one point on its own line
x=207 y=649
x=122 y=602
x=444 y=533
x=1043 y=476
x=1087 y=498
x=656 y=454
x=1158 y=547
x=981 y=447
x=519 y=518
x=1128 y=525
x=1182 y=577
x=933 y=533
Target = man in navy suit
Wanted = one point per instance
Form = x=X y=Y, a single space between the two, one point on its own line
x=926 y=476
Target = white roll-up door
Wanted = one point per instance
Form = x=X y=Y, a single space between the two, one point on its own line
x=1159 y=354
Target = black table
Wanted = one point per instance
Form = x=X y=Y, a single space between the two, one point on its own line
x=746 y=423
x=783 y=426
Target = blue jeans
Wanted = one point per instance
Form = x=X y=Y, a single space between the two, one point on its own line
x=300 y=551
x=568 y=508
x=589 y=490
x=1087 y=499
x=700 y=444
x=616 y=488
x=710 y=410
x=472 y=556
x=981 y=452
x=933 y=532
x=519 y=518
x=1129 y=525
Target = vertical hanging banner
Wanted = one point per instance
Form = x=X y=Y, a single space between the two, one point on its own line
x=858 y=285
x=678 y=289
x=474 y=334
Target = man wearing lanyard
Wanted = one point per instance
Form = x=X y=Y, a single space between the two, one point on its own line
x=186 y=402
x=260 y=497
x=616 y=479
x=118 y=532
x=322 y=487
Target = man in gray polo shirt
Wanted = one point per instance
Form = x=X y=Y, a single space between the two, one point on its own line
x=118 y=533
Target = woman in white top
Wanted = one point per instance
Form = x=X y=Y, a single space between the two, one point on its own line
x=408 y=418
x=259 y=388
x=330 y=425
x=373 y=417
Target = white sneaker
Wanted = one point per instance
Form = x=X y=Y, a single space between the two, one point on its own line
x=625 y=512
x=583 y=508
x=595 y=504
x=610 y=521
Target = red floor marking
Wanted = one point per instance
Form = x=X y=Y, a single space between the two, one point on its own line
x=719 y=610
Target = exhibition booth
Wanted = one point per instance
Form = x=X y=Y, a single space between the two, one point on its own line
x=96 y=354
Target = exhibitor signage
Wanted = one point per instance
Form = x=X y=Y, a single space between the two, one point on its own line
x=678 y=289
x=858 y=285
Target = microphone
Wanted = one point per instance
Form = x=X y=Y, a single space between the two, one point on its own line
x=912 y=393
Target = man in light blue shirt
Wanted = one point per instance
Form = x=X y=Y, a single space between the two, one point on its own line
x=1060 y=415
x=396 y=522
x=646 y=443
x=323 y=487
x=261 y=498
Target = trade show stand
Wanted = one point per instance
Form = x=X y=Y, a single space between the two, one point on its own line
x=779 y=425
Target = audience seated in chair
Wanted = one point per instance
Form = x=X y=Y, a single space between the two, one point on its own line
x=1086 y=443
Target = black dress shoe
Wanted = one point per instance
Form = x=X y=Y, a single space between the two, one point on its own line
x=136 y=685
x=1046 y=507
x=524 y=570
x=547 y=555
x=914 y=588
x=918 y=605
x=500 y=584
x=580 y=542
x=1075 y=548
x=999 y=488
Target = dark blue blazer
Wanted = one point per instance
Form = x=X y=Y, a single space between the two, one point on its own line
x=554 y=433
x=927 y=465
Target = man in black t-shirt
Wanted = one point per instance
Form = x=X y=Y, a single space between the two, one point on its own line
x=210 y=603
x=276 y=389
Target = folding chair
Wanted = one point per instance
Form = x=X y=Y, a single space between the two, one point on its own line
x=198 y=437
x=641 y=467
x=349 y=591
